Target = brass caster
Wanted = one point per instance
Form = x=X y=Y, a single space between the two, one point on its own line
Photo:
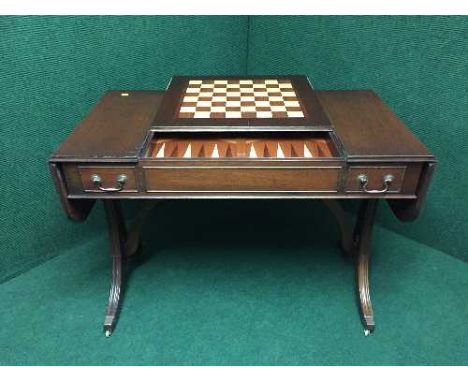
x=108 y=333
x=366 y=332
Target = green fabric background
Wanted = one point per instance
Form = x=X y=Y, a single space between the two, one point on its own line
x=418 y=65
x=238 y=282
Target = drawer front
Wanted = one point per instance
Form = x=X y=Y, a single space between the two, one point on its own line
x=111 y=179
x=376 y=176
x=238 y=179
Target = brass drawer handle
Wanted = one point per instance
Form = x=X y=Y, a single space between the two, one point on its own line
x=97 y=181
x=364 y=179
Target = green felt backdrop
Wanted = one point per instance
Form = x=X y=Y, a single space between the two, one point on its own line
x=54 y=69
x=418 y=65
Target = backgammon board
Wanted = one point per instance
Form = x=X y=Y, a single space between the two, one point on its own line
x=246 y=137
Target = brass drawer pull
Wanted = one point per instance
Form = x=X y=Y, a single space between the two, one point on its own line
x=364 y=179
x=121 y=179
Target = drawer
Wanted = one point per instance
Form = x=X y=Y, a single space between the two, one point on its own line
x=375 y=176
x=110 y=179
x=238 y=179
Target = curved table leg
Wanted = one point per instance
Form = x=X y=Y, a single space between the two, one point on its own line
x=117 y=238
x=134 y=233
x=347 y=244
x=362 y=236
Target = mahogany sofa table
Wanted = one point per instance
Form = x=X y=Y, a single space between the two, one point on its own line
x=244 y=138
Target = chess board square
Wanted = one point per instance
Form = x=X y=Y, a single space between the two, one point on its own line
x=218 y=104
x=218 y=115
x=218 y=109
x=249 y=109
x=190 y=99
x=295 y=114
x=219 y=98
x=186 y=115
x=206 y=97
x=246 y=90
x=248 y=98
x=264 y=114
x=291 y=103
x=278 y=108
x=277 y=103
x=202 y=114
x=204 y=103
x=293 y=108
x=249 y=114
x=247 y=103
x=280 y=114
x=207 y=86
x=189 y=104
x=233 y=114
x=274 y=99
x=188 y=109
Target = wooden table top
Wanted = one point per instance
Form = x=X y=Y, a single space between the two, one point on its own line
x=117 y=128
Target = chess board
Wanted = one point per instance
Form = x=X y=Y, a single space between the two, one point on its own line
x=240 y=98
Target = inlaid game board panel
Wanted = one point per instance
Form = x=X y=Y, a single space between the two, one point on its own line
x=240 y=98
x=210 y=103
x=216 y=148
